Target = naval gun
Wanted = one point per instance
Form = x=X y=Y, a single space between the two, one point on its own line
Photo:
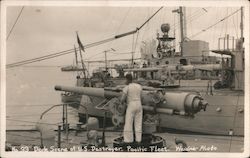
x=154 y=102
x=157 y=100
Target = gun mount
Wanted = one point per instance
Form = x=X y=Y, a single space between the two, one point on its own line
x=173 y=103
x=153 y=102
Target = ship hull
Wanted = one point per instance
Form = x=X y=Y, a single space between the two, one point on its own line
x=224 y=116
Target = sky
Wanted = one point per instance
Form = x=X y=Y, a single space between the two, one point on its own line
x=43 y=30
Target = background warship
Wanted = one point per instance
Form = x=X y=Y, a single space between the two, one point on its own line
x=219 y=80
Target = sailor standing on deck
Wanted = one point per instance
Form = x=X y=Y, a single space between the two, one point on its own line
x=132 y=94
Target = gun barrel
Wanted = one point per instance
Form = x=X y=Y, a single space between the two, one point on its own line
x=182 y=102
x=96 y=92
x=208 y=67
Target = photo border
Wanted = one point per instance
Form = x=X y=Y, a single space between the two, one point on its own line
x=5 y=4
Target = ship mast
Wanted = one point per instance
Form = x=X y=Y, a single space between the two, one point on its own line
x=183 y=33
x=182 y=27
x=241 y=23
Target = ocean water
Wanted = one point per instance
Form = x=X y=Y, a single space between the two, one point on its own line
x=30 y=91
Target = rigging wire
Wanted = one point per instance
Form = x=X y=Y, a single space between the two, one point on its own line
x=198 y=13
x=226 y=23
x=149 y=19
x=211 y=26
x=235 y=27
x=123 y=20
x=215 y=28
x=29 y=60
x=53 y=55
x=234 y=121
x=24 y=136
x=136 y=40
x=37 y=59
x=190 y=26
x=27 y=115
x=132 y=52
x=146 y=29
x=222 y=26
x=86 y=46
x=119 y=27
x=15 y=23
x=31 y=121
x=192 y=17
x=195 y=17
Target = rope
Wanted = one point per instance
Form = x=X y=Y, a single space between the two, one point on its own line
x=149 y=19
x=119 y=27
x=214 y=24
x=53 y=55
x=214 y=31
x=15 y=23
x=123 y=20
x=190 y=17
x=38 y=114
x=145 y=30
x=136 y=40
x=15 y=105
x=235 y=27
x=234 y=123
x=26 y=136
x=39 y=59
x=226 y=23
x=132 y=53
x=32 y=122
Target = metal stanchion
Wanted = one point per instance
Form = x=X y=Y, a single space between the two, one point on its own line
x=67 y=125
x=63 y=116
x=59 y=137
x=103 y=129
x=41 y=138
x=211 y=87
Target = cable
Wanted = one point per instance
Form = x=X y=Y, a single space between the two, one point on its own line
x=67 y=51
x=31 y=122
x=25 y=136
x=149 y=18
x=214 y=24
x=120 y=53
x=191 y=17
x=123 y=20
x=35 y=105
x=26 y=115
x=234 y=123
x=15 y=23
x=136 y=40
x=86 y=46
x=132 y=53
x=226 y=23
x=119 y=27
x=147 y=27
x=39 y=58
x=53 y=55
x=235 y=27
x=214 y=30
